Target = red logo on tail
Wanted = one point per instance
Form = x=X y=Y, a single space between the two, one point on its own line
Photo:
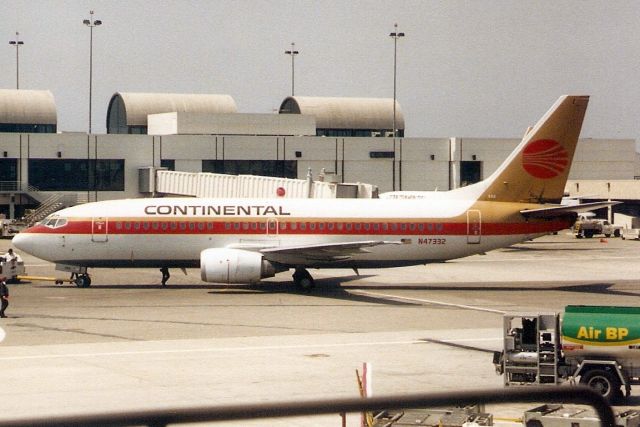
x=545 y=158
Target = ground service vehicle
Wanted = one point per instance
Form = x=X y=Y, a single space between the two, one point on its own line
x=12 y=269
x=590 y=227
x=598 y=345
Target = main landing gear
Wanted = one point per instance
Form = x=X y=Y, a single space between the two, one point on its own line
x=303 y=279
x=82 y=280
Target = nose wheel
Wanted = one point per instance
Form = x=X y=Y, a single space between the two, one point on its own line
x=303 y=279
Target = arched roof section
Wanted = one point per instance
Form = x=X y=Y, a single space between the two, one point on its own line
x=131 y=109
x=27 y=107
x=346 y=113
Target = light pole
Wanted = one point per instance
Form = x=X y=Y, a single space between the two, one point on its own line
x=395 y=36
x=91 y=23
x=17 y=43
x=293 y=54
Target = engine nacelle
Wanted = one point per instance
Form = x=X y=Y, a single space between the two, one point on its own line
x=221 y=265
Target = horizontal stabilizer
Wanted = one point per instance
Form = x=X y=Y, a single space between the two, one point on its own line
x=556 y=211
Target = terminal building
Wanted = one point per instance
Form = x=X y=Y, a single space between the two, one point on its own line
x=349 y=139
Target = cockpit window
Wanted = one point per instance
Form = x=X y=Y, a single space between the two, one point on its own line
x=54 y=222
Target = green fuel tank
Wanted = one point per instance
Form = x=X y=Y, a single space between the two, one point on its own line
x=601 y=331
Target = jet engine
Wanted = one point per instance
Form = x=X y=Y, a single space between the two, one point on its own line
x=221 y=265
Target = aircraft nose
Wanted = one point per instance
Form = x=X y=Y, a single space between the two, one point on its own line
x=23 y=241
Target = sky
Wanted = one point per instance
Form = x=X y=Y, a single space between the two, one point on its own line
x=476 y=68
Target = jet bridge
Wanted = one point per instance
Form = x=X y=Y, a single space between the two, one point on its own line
x=155 y=181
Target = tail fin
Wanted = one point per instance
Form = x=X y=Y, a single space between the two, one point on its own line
x=537 y=170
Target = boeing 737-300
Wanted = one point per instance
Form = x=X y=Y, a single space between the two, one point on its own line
x=246 y=240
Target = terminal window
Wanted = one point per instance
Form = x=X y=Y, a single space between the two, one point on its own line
x=77 y=174
x=8 y=173
x=470 y=172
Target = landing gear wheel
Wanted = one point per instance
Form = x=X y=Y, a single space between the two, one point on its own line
x=303 y=279
x=83 y=281
x=604 y=382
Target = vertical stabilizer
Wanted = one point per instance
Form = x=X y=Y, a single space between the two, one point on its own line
x=537 y=170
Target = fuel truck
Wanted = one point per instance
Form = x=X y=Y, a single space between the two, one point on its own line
x=598 y=346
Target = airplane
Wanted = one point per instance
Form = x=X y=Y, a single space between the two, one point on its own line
x=246 y=240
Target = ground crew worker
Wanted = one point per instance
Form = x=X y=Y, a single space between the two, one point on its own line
x=165 y=275
x=10 y=256
x=4 y=296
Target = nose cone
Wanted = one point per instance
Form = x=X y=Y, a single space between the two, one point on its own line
x=24 y=242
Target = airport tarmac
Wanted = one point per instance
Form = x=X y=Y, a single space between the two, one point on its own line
x=127 y=343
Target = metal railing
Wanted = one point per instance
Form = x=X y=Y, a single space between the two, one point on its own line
x=578 y=395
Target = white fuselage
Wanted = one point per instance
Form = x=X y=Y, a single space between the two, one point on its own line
x=174 y=231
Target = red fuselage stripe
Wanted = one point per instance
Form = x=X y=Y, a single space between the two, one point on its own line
x=289 y=227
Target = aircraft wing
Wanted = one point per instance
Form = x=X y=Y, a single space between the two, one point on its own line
x=324 y=252
x=555 y=211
